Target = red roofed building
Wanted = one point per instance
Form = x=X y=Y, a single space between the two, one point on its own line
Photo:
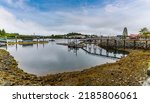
x=134 y=36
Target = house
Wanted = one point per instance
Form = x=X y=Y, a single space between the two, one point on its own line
x=119 y=36
x=134 y=36
x=76 y=36
x=3 y=41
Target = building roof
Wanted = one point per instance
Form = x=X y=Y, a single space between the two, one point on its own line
x=133 y=35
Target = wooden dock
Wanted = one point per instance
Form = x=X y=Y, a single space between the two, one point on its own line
x=100 y=54
x=72 y=45
x=120 y=43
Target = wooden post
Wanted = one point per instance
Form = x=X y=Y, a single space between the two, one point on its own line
x=95 y=41
x=101 y=42
x=134 y=44
x=76 y=43
x=95 y=49
x=6 y=42
x=37 y=39
x=124 y=44
x=86 y=46
x=100 y=51
x=43 y=38
x=16 y=39
x=107 y=53
x=6 y=38
x=146 y=44
x=37 y=45
x=115 y=43
x=107 y=42
x=115 y=52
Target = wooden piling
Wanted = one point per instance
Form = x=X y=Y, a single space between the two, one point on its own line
x=101 y=41
x=107 y=42
x=16 y=39
x=95 y=42
x=134 y=44
x=146 y=44
x=115 y=43
x=107 y=53
x=43 y=38
x=37 y=39
x=124 y=44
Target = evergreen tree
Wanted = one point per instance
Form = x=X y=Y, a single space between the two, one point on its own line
x=0 y=32
x=144 y=31
x=3 y=32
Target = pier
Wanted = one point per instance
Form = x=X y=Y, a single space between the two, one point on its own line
x=116 y=43
x=102 y=55
x=90 y=48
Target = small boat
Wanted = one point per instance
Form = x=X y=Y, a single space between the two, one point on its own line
x=52 y=40
x=3 y=41
x=2 y=44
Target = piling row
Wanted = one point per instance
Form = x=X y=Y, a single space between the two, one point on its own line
x=126 y=44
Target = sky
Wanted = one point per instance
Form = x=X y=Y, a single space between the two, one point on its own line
x=100 y=17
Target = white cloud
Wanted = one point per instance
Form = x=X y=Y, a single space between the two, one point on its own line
x=14 y=3
x=109 y=19
x=10 y=23
x=111 y=9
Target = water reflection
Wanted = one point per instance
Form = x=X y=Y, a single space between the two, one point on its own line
x=42 y=59
x=26 y=45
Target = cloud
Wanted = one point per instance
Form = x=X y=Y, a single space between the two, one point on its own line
x=10 y=23
x=108 y=19
x=15 y=3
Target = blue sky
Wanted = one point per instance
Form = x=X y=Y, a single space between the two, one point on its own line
x=62 y=4
x=47 y=17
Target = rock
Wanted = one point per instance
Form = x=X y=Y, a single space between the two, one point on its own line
x=147 y=82
x=5 y=83
x=148 y=71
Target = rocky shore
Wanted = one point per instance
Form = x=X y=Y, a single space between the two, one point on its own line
x=131 y=70
x=10 y=74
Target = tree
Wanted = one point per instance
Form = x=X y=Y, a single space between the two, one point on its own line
x=73 y=33
x=2 y=32
x=144 y=31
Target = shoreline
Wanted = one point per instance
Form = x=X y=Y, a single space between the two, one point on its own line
x=130 y=70
x=21 y=43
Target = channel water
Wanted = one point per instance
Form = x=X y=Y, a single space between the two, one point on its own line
x=50 y=58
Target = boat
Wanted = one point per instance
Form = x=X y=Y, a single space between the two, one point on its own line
x=3 y=41
x=52 y=40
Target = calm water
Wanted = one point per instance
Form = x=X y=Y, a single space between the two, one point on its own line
x=42 y=59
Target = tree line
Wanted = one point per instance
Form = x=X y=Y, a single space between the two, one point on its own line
x=3 y=33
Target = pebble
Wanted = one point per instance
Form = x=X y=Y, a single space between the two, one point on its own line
x=147 y=82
